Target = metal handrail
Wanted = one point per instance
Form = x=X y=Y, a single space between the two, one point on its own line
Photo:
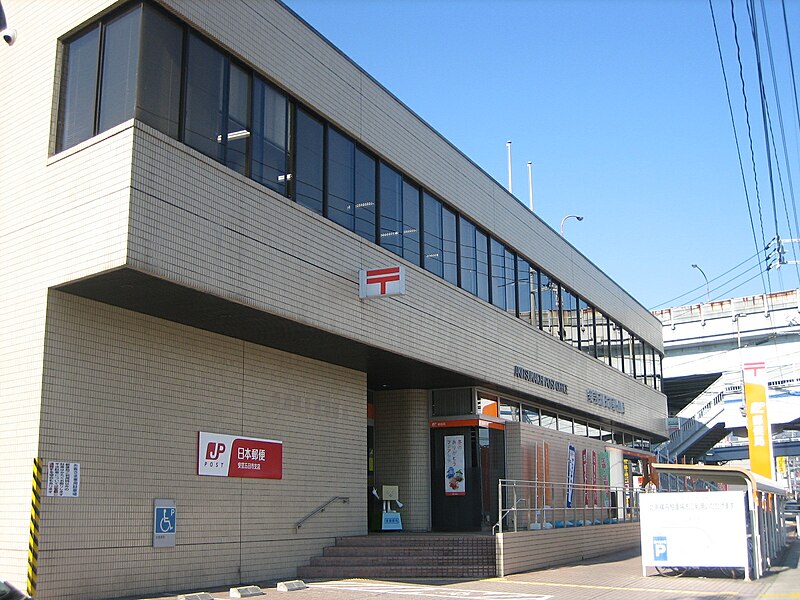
x=319 y=509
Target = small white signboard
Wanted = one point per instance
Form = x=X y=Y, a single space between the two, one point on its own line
x=694 y=529
x=376 y=283
x=63 y=479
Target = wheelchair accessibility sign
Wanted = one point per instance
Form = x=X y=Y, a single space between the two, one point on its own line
x=164 y=523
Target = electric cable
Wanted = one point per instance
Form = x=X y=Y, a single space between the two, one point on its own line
x=749 y=128
x=735 y=133
x=763 y=98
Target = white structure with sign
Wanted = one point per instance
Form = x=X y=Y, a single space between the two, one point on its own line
x=694 y=529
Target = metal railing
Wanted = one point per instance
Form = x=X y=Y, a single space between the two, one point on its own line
x=537 y=505
x=320 y=509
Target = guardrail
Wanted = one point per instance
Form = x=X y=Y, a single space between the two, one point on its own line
x=536 y=505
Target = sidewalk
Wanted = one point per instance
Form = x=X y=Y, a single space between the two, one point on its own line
x=611 y=577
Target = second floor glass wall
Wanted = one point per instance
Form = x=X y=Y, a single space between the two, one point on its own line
x=190 y=89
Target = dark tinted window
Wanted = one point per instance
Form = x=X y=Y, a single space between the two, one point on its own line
x=587 y=328
x=341 y=179
x=160 y=78
x=482 y=261
x=550 y=303
x=524 y=290
x=469 y=268
x=79 y=89
x=411 y=203
x=498 y=274
x=237 y=133
x=569 y=317
x=120 y=62
x=391 y=210
x=268 y=164
x=203 y=110
x=308 y=161
x=432 y=223
x=449 y=245
x=365 y=195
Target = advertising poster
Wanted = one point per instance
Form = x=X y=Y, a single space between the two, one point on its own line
x=594 y=477
x=455 y=483
x=221 y=455
x=570 y=474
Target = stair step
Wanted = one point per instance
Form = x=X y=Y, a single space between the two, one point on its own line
x=417 y=540
x=395 y=551
x=363 y=561
x=384 y=571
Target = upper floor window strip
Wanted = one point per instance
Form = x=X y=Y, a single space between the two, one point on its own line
x=189 y=89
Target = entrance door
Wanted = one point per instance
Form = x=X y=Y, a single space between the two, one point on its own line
x=456 y=489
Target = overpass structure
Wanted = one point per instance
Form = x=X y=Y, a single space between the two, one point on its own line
x=705 y=347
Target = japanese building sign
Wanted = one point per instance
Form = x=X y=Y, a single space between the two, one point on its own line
x=606 y=401
x=221 y=455
x=694 y=529
x=63 y=479
x=455 y=483
x=759 y=432
x=390 y=281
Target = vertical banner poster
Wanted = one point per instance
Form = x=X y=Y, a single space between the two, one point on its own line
x=454 y=481
x=570 y=474
x=585 y=477
x=604 y=474
x=594 y=477
x=759 y=432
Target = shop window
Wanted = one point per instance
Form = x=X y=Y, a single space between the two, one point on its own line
x=365 y=181
x=308 y=165
x=120 y=64
x=268 y=164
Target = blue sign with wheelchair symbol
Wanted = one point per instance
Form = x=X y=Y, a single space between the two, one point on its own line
x=165 y=519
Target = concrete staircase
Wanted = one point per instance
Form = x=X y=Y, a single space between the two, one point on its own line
x=402 y=555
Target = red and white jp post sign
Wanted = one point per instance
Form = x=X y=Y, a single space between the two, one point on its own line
x=221 y=455
x=376 y=283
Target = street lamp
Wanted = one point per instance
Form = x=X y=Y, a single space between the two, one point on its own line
x=708 y=293
x=578 y=217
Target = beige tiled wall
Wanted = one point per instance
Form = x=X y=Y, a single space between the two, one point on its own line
x=125 y=395
x=402 y=452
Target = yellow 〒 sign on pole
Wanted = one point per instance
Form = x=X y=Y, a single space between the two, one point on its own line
x=759 y=432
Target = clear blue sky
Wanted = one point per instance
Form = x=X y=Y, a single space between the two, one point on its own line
x=621 y=106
